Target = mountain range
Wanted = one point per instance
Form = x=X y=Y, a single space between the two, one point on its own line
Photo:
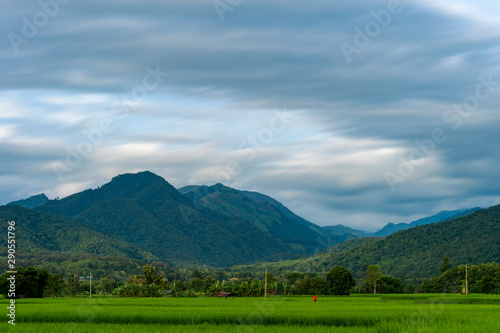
x=138 y=218
x=414 y=253
x=265 y=213
x=444 y=215
x=145 y=210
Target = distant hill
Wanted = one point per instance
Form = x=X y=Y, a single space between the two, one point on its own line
x=415 y=253
x=62 y=245
x=46 y=238
x=338 y=233
x=349 y=244
x=140 y=218
x=444 y=215
x=145 y=210
x=268 y=215
x=31 y=202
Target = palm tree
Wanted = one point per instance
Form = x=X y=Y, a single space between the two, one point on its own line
x=215 y=288
x=274 y=288
x=244 y=289
x=256 y=287
x=288 y=288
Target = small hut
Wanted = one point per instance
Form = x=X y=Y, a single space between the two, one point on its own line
x=165 y=293
x=224 y=294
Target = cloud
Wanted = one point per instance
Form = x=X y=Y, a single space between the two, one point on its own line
x=352 y=122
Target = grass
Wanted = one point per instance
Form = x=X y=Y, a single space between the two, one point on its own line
x=360 y=313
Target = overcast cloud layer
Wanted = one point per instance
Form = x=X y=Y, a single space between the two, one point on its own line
x=359 y=112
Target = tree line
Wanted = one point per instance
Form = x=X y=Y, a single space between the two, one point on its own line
x=35 y=282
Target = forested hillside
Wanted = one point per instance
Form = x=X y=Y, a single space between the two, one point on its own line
x=267 y=214
x=416 y=252
x=350 y=244
x=338 y=233
x=42 y=233
x=145 y=210
x=63 y=245
x=31 y=202
x=391 y=228
x=141 y=218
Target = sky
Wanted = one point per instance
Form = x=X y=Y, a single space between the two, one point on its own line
x=357 y=113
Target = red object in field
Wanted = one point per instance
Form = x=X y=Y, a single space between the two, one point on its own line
x=315 y=298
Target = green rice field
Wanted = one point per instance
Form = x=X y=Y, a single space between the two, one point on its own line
x=355 y=313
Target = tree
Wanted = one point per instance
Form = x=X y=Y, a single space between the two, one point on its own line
x=372 y=274
x=197 y=274
x=55 y=285
x=409 y=289
x=487 y=284
x=30 y=282
x=208 y=281
x=340 y=281
x=178 y=286
x=150 y=275
x=310 y=286
x=445 y=265
x=243 y=288
x=73 y=284
x=220 y=275
x=197 y=284
x=105 y=285
x=294 y=276
x=389 y=285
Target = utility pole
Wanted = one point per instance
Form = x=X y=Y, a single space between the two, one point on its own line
x=90 y=285
x=265 y=285
x=466 y=282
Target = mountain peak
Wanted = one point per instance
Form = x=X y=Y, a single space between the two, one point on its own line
x=128 y=183
x=32 y=202
x=145 y=185
x=142 y=176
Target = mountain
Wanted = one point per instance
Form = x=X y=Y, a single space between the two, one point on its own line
x=38 y=232
x=444 y=215
x=145 y=210
x=62 y=245
x=31 y=202
x=265 y=213
x=349 y=244
x=338 y=233
x=417 y=252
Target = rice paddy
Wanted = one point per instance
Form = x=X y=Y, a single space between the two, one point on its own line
x=355 y=313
